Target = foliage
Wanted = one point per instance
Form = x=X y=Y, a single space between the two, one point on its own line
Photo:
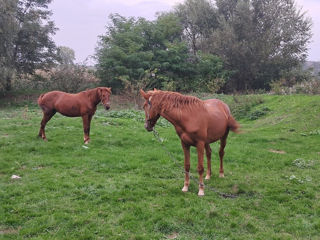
x=258 y=113
x=65 y=55
x=26 y=45
x=211 y=73
x=125 y=186
x=68 y=78
x=297 y=81
x=199 y=20
x=258 y=40
x=312 y=66
x=72 y=78
x=306 y=87
x=146 y=54
x=242 y=104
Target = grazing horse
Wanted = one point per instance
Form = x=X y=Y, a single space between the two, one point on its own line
x=82 y=104
x=198 y=123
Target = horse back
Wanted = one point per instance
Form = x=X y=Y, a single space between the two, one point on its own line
x=60 y=102
x=216 y=107
x=49 y=98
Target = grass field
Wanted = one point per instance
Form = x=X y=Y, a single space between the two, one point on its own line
x=123 y=185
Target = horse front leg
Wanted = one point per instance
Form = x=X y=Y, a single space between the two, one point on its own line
x=86 y=119
x=186 y=151
x=200 y=150
x=208 y=153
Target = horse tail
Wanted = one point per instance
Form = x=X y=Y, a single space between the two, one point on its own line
x=40 y=98
x=233 y=124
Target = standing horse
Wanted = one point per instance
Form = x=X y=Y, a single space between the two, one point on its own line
x=198 y=123
x=82 y=104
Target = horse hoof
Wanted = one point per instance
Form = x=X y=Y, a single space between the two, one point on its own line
x=201 y=193
x=185 y=189
x=44 y=139
x=221 y=175
x=207 y=177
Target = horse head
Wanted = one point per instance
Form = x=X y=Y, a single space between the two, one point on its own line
x=104 y=95
x=151 y=111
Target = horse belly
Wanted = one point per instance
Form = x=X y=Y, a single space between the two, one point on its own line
x=68 y=108
x=216 y=128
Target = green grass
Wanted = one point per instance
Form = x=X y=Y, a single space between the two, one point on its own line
x=125 y=186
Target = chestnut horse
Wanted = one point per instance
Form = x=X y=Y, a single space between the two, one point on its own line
x=82 y=104
x=198 y=123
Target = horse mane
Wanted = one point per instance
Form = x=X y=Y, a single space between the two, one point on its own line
x=92 y=93
x=167 y=100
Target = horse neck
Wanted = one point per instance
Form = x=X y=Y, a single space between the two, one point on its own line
x=173 y=115
x=94 y=96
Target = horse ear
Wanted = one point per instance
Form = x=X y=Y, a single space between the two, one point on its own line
x=143 y=94
x=109 y=89
x=155 y=89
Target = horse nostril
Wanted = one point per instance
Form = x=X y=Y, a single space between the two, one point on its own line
x=107 y=107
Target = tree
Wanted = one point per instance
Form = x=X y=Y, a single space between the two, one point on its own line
x=260 y=40
x=140 y=53
x=26 y=32
x=123 y=54
x=8 y=31
x=199 y=19
x=65 y=55
x=133 y=49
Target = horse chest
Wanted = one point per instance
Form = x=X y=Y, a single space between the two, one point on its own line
x=186 y=138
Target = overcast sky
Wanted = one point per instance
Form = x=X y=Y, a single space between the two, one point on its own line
x=80 y=22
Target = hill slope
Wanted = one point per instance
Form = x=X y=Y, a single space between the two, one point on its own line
x=124 y=185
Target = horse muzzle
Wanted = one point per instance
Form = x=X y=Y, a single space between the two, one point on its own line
x=107 y=106
x=148 y=127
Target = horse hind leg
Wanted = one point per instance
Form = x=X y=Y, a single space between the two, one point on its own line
x=86 y=128
x=47 y=115
x=223 y=143
x=208 y=154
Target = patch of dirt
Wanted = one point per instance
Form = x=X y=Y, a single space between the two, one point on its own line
x=235 y=189
x=173 y=235
x=277 y=151
x=4 y=231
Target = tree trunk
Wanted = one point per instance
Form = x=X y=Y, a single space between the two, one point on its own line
x=9 y=82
